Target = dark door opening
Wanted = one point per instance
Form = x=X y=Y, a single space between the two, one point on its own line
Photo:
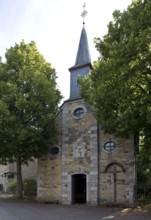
x=79 y=188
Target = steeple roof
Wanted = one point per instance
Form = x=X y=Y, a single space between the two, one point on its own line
x=83 y=55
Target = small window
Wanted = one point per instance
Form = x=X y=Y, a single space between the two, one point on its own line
x=109 y=146
x=78 y=113
x=54 y=150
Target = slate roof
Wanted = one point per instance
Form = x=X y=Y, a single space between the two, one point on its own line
x=83 y=54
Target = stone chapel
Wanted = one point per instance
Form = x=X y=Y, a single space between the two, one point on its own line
x=86 y=165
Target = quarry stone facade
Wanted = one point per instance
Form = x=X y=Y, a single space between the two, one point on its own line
x=105 y=176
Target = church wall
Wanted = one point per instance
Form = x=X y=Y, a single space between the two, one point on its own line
x=49 y=184
x=109 y=175
x=117 y=182
x=30 y=170
x=49 y=174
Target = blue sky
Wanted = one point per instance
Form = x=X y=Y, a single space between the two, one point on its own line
x=55 y=26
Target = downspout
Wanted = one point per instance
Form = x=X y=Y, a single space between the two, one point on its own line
x=61 y=143
x=98 y=158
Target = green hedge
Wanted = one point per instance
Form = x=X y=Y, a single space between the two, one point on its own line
x=29 y=186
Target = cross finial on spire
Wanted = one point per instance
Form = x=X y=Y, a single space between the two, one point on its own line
x=84 y=13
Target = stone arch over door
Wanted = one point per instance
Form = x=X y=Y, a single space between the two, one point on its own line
x=117 y=172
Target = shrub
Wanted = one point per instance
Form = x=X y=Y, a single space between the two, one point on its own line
x=12 y=186
x=30 y=186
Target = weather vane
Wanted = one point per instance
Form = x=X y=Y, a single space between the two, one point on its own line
x=84 y=13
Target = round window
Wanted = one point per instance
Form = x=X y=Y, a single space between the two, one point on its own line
x=78 y=112
x=109 y=146
x=54 y=150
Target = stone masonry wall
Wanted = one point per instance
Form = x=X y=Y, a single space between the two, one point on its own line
x=49 y=183
x=49 y=174
x=109 y=175
x=117 y=182
x=79 y=135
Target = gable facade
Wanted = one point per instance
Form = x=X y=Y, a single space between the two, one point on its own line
x=108 y=175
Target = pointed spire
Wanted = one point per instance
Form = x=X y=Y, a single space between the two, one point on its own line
x=83 y=54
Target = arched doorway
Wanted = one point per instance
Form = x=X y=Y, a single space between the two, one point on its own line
x=79 y=188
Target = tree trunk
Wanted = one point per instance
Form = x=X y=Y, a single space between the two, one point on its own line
x=19 y=177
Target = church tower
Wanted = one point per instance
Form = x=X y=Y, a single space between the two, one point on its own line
x=86 y=165
x=79 y=152
x=82 y=65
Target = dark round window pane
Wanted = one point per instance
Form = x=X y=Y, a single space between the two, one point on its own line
x=54 y=150
x=109 y=146
x=79 y=112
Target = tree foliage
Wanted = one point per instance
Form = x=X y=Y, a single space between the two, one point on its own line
x=28 y=103
x=119 y=87
x=29 y=100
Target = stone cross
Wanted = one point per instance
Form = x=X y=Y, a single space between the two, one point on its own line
x=114 y=170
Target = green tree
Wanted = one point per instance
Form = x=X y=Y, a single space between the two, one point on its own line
x=29 y=100
x=119 y=87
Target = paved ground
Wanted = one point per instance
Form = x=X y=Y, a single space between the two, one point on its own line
x=27 y=210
